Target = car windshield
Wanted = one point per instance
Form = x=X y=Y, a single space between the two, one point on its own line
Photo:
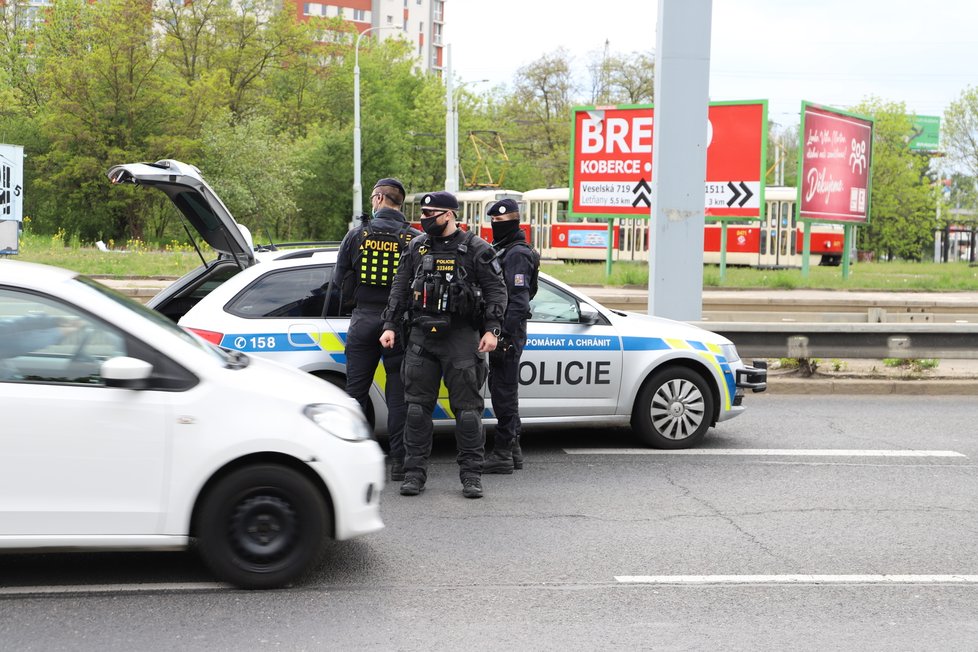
x=156 y=318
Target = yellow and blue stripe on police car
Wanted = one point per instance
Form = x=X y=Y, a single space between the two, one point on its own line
x=334 y=344
x=331 y=343
x=711 y=354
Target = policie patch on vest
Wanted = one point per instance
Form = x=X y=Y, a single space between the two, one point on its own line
x=519 y=280
x=380 y=252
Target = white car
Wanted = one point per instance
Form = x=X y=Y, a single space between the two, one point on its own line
x=583 y=364
x=123 y=431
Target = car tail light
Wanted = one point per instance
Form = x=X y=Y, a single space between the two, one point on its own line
x=210 y=336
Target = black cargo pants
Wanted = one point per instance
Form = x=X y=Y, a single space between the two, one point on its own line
x=504 y=383
x=453 y=357
x=363 y=352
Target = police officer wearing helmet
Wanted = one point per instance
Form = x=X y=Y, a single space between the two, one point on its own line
x=521 y=265
x=450 y=291
x=365 y=266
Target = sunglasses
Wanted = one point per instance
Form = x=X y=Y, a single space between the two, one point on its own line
x=433 y=212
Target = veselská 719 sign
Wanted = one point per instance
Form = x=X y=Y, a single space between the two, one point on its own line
x=611 y=160
x=836 y=156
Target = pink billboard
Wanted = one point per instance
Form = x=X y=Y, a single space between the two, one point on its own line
x=836 y=152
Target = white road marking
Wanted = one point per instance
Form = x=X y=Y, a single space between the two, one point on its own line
x=797 y=579
x=784 y=452
x=112 y=588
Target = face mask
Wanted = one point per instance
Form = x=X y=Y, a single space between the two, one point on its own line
x=431 y=227
x=504 y=229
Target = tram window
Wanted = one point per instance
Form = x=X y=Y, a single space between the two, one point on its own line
x=763 y=241
x=772 y=214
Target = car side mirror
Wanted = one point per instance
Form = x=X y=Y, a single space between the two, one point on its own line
x=126 y=373
x=589 y=314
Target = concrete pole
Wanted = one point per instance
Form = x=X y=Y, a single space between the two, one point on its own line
x=451 y=180
x=682 y=84
x=357 y=185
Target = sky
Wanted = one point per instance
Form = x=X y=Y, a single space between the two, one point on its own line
x=831 y=52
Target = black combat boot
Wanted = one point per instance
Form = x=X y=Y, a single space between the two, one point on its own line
x=517 y=454
x=397 y=470
x=498 y=461
x=471 y=487
x=412 y=486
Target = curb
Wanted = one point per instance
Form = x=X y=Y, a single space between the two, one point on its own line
x=872 y=386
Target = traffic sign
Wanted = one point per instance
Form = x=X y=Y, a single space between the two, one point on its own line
x=611 y=160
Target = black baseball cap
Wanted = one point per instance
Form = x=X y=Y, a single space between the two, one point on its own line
x=440 y=199
x=392 y=183
x=504 y=207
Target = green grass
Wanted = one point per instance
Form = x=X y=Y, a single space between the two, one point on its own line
x=137 y=259
x=178 y=258
x=896 y=276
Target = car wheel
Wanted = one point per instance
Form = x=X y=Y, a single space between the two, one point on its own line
x=331 y=378
x=674 y=409
x=262 y=527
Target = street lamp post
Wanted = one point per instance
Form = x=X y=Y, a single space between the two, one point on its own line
x=452 y=182
x=357 y=186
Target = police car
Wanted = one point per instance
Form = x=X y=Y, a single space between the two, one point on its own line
x=583 y=364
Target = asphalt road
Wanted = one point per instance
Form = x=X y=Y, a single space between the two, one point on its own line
x=836 y=543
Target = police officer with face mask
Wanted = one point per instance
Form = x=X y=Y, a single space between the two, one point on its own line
x=365 y=268
x=521 y=265
x=450 y=292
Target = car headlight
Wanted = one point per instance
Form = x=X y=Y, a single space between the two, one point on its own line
x=345 y=422
x=729 y=352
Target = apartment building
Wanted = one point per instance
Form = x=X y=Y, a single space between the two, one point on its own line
x=419 y=21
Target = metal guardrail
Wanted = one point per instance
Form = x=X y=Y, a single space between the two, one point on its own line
x=832 y=337
x=841 y=340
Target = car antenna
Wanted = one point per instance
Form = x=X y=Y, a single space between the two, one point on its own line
x=194 y=243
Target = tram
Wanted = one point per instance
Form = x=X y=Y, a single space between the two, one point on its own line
x=775 y=241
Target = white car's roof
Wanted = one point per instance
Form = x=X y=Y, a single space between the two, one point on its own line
x=32 y=275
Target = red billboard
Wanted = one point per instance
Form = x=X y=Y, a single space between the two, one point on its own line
x=835 y=158
x=611 y=160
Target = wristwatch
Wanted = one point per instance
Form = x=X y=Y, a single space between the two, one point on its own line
x=495 y=331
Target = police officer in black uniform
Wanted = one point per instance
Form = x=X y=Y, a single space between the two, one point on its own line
x=449 y=290
x=365 y=268
x=521 y=265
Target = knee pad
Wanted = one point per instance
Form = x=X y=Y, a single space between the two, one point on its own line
x=469 y=422
x=415 y=416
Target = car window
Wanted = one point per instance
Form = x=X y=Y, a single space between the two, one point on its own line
x=554 y=305
x=43 y=340
x=286 y=293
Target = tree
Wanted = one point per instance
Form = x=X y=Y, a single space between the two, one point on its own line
x=539 y=111
x=396 y=104
x=903 y=203
x=782 y=155
x=226 y=50
x=109 y=101
x=256 y=173
x=622 y=79
x=961 y=131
